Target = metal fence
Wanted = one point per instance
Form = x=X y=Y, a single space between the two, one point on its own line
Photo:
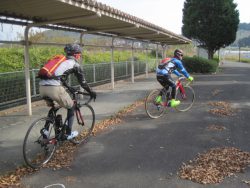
x=12 y=84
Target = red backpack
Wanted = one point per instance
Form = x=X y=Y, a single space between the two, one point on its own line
x=164 y=62
x=49 y=68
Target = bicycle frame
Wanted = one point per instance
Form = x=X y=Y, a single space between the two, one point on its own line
x=51 y=130
x=184 y=93
x=78 y=113
x=53 y=113
x=180 y=86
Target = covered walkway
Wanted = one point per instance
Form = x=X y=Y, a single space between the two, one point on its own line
x=82 y=16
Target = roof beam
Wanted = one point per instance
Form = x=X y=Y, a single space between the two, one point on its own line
x=171 y=38
x=60 y=20
x=111 y=29
x=140 y=34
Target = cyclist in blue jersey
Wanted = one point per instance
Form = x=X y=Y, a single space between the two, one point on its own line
x=164 y=71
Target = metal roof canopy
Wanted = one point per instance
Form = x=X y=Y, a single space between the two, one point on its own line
x=86 y=15
x=83 y=16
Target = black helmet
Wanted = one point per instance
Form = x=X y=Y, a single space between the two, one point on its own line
x=178 y=53
x=71 y=49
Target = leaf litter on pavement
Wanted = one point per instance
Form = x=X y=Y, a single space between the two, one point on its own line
x=64 y=154
x=214 y=165
x=217 y=163
x=222 y=108
x=214 y=127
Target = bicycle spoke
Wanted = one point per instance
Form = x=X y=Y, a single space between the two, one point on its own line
x=84 y=123
x=187 y=98
x=38 y=150
x=152 y=107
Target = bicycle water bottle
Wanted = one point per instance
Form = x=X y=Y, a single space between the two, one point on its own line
x=58 y=121
x=163 y=98
x=45 y=133
x=168 y=95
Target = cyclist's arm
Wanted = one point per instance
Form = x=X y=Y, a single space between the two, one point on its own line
x=182 y=69
x=176 y=72
x=77 y=71
x=81 y=78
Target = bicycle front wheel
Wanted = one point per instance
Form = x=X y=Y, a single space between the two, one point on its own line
x=38 y=150
x=187 y=98
x=153 y=109
x=84 y=124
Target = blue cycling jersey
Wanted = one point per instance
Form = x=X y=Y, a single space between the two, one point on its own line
x=172 y=67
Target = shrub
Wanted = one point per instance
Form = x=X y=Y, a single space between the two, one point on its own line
x=200 y=65
x=12 y=59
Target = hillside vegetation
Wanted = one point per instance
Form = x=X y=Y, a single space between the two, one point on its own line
x=12 y=59
x=242 y=33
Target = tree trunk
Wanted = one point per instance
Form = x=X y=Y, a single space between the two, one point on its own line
x=210 y=54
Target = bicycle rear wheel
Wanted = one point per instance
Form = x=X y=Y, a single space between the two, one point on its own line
x=153 y=109
x=187 y=99
x=37 y=150
x=85 y=123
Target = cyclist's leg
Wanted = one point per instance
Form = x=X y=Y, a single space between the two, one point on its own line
x=162 y=79
x=64 y=100
x=45 y=93
x=70 y=120
x=61 y=96
x=171 y=83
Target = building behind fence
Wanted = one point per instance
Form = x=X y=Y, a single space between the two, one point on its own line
x=13 y=90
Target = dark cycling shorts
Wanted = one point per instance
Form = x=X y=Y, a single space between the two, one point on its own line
x=166 y=80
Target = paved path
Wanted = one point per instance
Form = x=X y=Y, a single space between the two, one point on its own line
x=142 y=152
x=14 y=123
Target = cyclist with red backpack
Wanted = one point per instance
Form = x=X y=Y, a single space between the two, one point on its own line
x=51 y=84
x=164 y=70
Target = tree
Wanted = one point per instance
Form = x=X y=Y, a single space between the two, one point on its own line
x=212 y=23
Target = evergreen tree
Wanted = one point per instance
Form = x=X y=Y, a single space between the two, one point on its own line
x=213 y=23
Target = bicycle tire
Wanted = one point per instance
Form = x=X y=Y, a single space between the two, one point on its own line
x=88 y=116
x=187 y=101
x=37 y=151
x=153 y=110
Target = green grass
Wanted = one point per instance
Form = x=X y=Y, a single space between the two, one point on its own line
x=236 y=59
x=12 y=59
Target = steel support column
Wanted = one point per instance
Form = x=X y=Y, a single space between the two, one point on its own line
x=27 y=69
x=112 y=65
x=156 y=54
x=132 y=65
x=147 y=62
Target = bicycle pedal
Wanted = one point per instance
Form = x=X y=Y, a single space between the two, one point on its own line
x=159 y=107
x=53 y=141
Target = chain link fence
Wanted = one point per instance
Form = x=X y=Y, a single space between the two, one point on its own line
x=13 y=90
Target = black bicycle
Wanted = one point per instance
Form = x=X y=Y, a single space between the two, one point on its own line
x=46 y=133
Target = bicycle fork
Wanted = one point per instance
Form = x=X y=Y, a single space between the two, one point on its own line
x=182 y=91
x=79 y=117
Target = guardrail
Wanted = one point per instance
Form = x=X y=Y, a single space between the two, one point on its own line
x=12 y=84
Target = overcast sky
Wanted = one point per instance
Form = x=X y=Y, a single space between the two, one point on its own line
x=164 y=13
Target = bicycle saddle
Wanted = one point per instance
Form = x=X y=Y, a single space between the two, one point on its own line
x=49 y=101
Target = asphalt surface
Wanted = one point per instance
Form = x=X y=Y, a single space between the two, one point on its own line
x=144 y=152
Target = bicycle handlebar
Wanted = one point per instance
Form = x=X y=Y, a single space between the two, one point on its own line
x=85 y=93
x=182 y=78
x=75 y=91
